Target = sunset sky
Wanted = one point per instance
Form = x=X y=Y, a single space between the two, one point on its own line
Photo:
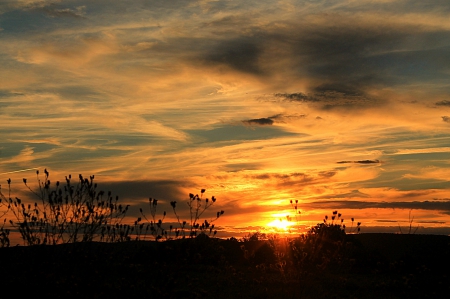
x=339 y=104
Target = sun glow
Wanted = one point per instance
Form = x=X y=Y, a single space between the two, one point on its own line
x=279 y=225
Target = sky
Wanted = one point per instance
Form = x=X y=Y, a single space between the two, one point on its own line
x=339 y=104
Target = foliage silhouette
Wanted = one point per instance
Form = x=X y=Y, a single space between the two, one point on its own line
x=197 y=206
x=66 y=213
x=77 y=212
x=325 y=244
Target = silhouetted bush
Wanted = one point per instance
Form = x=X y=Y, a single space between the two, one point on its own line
x=77 y=212
x=65 y=213
x=324 y=245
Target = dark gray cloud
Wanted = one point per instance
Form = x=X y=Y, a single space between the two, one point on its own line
x=446 y=119
x=5 y=99
x=294 y=175
x=386 y=221
x=7 y=94
x=137 y=194
x=343 y=62
x=235 y=167
x=361 y=162
x=280 y=118
x=141 y=190
x=430 y=222
x=237 y=133
x=329 y=96
x=228 y=23
x=442 y=205
x=296 y=97
x=294 y=179
x=239 y=54
x=443 y=103
x=259 y=121
x=349 y=58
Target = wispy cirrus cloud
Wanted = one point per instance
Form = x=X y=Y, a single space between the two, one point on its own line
x=424 y=150
x=77 y=12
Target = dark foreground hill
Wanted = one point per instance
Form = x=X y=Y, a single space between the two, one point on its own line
x=361 y=266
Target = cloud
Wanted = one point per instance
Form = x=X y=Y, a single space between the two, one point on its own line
x=77 y=12
x=431 y=222
x=344 y=65
x=279 y=118
x=443 y=103
x=443 y=206
x=26 y=155
x=167 y=190
x=259 y=121
x=291 y=176
x=295 y=97
x=330 y=96
x=361 y=162
x=292 y=180
x=348 y=59
x=429 y=150
x=7 y=6
x=430 y=172
x=51 y=8
x=239 y=54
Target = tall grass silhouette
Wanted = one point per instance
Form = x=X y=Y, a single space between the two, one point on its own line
x=197 y=206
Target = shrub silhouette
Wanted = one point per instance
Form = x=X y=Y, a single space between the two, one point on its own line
x=65 y=213
x=324 y=244
x=77 y=212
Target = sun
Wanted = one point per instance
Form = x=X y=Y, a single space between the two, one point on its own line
x=279 y=225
